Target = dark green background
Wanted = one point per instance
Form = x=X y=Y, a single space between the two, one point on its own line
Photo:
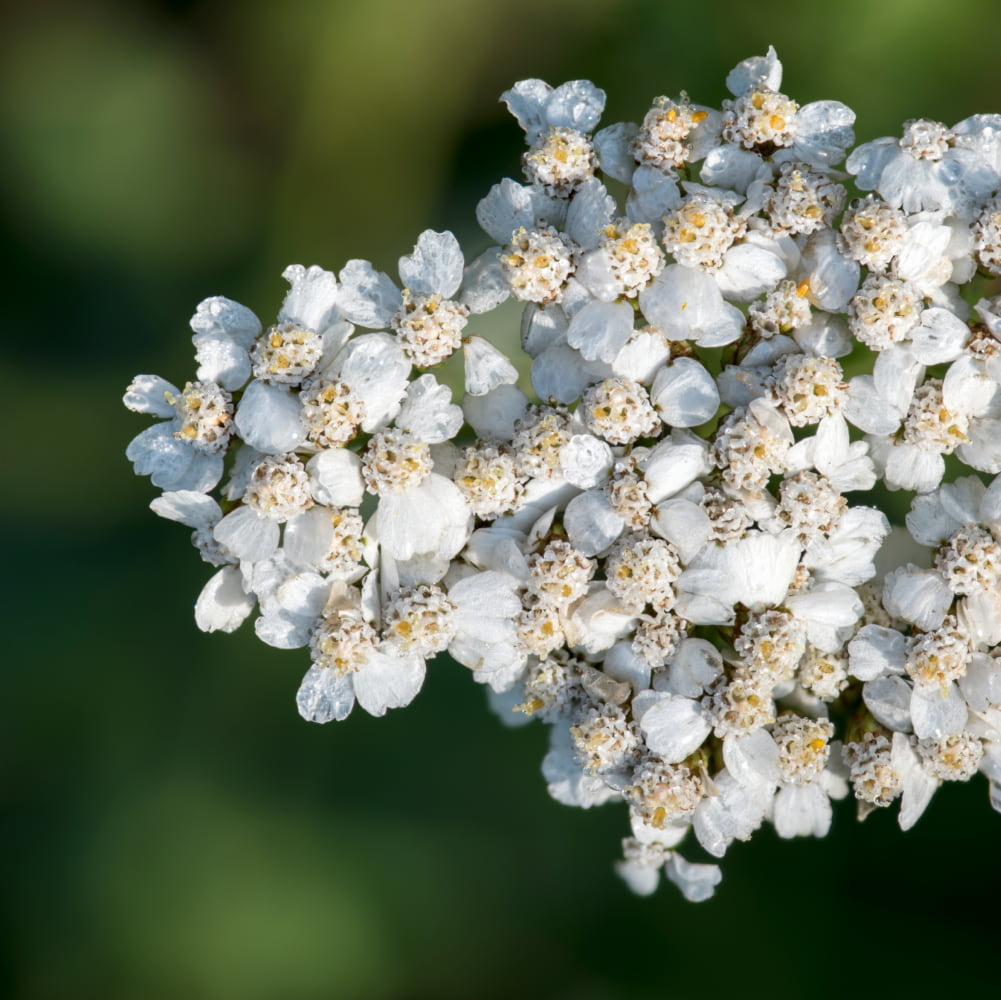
x=172 y=828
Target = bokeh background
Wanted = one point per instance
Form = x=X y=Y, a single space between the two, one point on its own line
x=171 y=828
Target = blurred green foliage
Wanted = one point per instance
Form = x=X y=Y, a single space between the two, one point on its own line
x=172 y=828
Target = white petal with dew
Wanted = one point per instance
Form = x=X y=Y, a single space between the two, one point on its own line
x=435 y=266
x=325 y=696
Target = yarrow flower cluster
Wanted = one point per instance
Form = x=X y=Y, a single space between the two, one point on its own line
x=654 y=548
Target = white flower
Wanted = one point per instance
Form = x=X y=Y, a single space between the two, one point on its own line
x=925 y=170
x=186 y=451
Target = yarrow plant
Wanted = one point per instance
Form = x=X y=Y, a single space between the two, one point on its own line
x=654 y=551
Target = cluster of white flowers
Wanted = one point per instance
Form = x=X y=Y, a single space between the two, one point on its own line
x=659 y=556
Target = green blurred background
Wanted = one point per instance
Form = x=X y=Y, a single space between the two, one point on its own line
x=172 y=828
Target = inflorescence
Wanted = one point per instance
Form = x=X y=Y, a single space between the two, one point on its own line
x=657 y=554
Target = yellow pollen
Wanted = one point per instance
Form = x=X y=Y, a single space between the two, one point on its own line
x=672 y=115
x=187 y=432
x=697 y=219
x=816 y=745
x=684 y=306
x=541 y=262
x=699 y=116
x=803 y=288
x=277 y=340
x=758 y=101
x=777 y=122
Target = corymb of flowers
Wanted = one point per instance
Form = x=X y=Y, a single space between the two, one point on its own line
x=661 y=549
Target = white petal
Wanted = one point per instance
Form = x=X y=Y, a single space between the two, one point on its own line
x=695 y=665
x=684 y=524
x=308 y=537
x=494 y=414
x=221 y=359
x=869 y=411
x=368 y=297
x=486 y=367
x=508 y=206
x=567 y=783
x=765 y=566
x=912 y=468
x=752 y=759
x=876 y=651
x=764 y=71
x=249 y=537
x=223 y=605
x=325 y=695
x=585 y=461
x=674 y=463
x=644 y=354
x=732 y=168
x=613 y=146
x=196 y=510
x=526 y=100
x=335 y=478
x=939 y=338
x=981 y=686
x=889 y=701
x=428 y=411
x=312 y=300
x=484 y=286
x=674 y=728
x=430 y=517
x=386 y=682
x=542 y=328
x=591 y=209
x=577 y=104
x=283 y=630
x=591 y=524
x=735 y=812
x=696 y=882
x=151 y=394
x=802 y=811
x=435 y=266
x=376 y=368
x=600 y=330
x=748 y=271
x=172 y=464
x=268 y=418
x=834 y=278
x=221 y=317
x=653 y=195
x=560 y=374
x=918 y=785
x=928 y=522
x=824 y=133
x=687 y=304
x=918 y=596
x=685 y=394
x=937 y=712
